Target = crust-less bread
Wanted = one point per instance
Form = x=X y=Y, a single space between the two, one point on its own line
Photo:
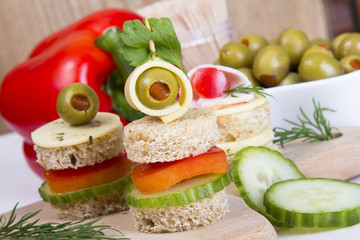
x=94 y=207
x=83 y=154
x=181 y=218
x=244 y=124
x=150 y=140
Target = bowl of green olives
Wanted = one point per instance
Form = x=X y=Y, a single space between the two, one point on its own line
x=292 y=57
x=297 y=71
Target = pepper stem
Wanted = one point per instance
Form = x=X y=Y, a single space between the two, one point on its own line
x=109 y=42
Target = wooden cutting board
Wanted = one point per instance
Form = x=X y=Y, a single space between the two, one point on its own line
x=338 y=158
x=240 y=224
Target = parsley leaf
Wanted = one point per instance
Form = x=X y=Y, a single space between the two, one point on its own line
x=167 y=45
x=135 y=45
x=136 y=37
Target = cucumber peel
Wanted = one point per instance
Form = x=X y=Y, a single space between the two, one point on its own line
x=55 y=198
x=314 y=202
x=182 y=193
x=255 y=169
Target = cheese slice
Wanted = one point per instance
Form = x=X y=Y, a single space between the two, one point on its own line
x=241 y=107
x=258 y=140
x=60 y=134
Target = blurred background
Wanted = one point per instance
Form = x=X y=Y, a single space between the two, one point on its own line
x=23 y=23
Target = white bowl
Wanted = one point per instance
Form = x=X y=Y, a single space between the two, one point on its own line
x=339 y=93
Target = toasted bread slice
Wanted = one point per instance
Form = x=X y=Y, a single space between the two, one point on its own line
x=93 y=207
x=149 y=140
x=181 y=218
x=247 y=121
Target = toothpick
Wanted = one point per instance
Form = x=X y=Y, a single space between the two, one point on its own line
x=151 y=42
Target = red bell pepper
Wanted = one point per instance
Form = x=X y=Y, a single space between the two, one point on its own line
x=29 y=91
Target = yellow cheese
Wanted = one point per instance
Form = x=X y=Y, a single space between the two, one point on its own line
x=60 y=134
x=258 y=140
x=241 y=107
x=171 y=112
x=184 y=101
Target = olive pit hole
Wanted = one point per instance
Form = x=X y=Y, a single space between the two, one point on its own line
x=80 y=102
x=159 y=91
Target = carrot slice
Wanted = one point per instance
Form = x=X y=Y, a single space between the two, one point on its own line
x=151 y=177
x=69 y=180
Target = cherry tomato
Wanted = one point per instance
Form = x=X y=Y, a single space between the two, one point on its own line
x=209 y=82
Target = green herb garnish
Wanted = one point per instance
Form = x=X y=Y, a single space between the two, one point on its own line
x=317 y=130
x=60 y=136
x=136 y=37
x=247 y=89
x=23 y=229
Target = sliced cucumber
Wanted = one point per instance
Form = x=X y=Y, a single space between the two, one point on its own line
x=182 y=193
x=55 y=198
x=314 y=202
x=255 y=169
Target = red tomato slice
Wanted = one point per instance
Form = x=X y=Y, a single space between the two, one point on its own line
x=152 y=177
x=69 y=180
x=209 y=82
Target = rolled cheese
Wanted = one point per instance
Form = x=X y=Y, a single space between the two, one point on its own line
x=168 y=113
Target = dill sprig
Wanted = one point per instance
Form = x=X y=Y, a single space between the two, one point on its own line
x=318 y=129
x=25 y=228
x=247 y=89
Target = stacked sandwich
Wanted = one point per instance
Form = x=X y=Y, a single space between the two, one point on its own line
x=243 y=115
x=85 y=167
x=245 y=124
x=180 y=175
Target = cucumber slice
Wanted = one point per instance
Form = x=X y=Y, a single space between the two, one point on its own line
x=55 y=198
x=314 y=202
x=255 y=169
x=182 y=193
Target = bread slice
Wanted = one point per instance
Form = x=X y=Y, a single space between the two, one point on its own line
x=149 y=140
x=93 y=207
x=83 y=154
x=243 y=124
x=181 y=218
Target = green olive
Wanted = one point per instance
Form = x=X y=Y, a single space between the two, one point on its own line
x=322 y=42
x=236 y=55
x=157 y=87
x=316 y=66
x=272 y=42
x=291 y=78
x=350 y=63
x=338 y=39
x=295 y=42
x=254 y=42
x=77 y=104
x=349 y=45
x=216 y=62
x=320 y=49
x=250 y=74
x=271 y=65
